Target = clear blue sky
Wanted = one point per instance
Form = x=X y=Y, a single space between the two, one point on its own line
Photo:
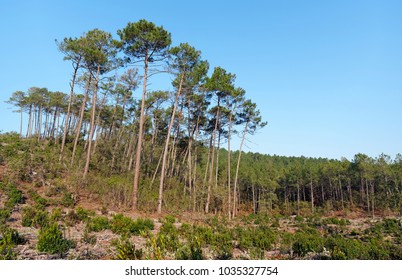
x=326 y=75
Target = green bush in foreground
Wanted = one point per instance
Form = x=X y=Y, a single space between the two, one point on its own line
x=98 y=224
x=126 y=251
x=51 y=241
x=126 y=226
x=8 y=240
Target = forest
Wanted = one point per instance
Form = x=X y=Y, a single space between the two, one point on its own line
x=155 y=174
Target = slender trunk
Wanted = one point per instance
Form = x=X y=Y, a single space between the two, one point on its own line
x=63 y=141
x=229 y=185
x=21 y=122
x=340 y=192
x=40 y=123
x=156 y=171
x=53 y=124
x=237 y=170
x=350 y=193
x=79 y=125
x=207 y=168
x=217 y=170
x=116 y=145
x=367 y=197
x=254 y=199
x=165 y=151
x=212 y=160
x=298 y=198
x=47 y=129
x=195 y=168
x=29 y=122
x=92 y=125
x=58 y=125
x=174 y=149
x=97 y=123
x=372 y=198
x=140 y=135
x=312 y=195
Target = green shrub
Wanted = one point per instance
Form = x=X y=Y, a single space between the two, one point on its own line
x=57 y=215
x=170 y=219
x=68 y=200
x=41 y=219
x=190 y=251
x=126 y=226
x=7 y=253
x=14 y=197
x=126 y=251
x=342 y=248
x=98 y=223
x=121 y=224
x=299 y=219
x=28 y=214
x=168 y=238
x=40 y=202
x=306 y=242
x=392 y=226
x=4 y=216
x=10 y=237
x=84 y=215
x=51 y=240
x=261 y=237
x=32 y=217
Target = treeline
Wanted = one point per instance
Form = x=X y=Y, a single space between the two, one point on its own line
x=101 y=126
x=303 y=186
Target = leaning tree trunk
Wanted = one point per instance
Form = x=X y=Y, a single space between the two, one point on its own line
x=63 y=141
x=165 y=151
x=79 y=125
x=237 y=170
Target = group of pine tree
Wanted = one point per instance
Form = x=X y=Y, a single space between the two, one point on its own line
x=179 y=141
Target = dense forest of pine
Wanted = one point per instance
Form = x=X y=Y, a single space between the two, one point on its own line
x=171 y=151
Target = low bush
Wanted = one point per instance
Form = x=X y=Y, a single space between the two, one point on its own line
x=126 y=251
x=191 y=250
x=126 y=226
x=32 y=217
x=168 y=238
x=9 y=238
x=68 y=200
x=14 y=197
x=98 y=223
x=305 y=243
x=51 y=240
x=84 y=215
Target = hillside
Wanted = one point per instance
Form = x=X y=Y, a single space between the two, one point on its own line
x=48 y=211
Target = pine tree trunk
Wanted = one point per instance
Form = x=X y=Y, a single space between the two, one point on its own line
x=140 y=136
x=92 y=125
x=229 y=183
x=40 y=123
x=21 y=122
x=79 y=125
x=237 y=170
x=312 y=195
x=63 y=141
x=165 y=151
